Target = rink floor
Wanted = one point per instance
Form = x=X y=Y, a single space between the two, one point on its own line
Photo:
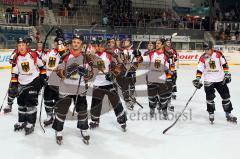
x=192 y=137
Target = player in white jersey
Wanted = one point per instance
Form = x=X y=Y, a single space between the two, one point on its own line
x=214 y=70
x=103 y=85
x=51 y=93
x=30 y=73
x=159 y=80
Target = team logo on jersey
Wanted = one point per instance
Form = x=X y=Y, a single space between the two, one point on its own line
x=157 y=63
x=212 y=64
x=52 y=62
x=25 y=66
x=100 y=64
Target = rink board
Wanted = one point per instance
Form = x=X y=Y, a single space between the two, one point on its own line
x=186 y=57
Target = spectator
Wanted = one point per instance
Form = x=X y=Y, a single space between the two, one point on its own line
x=227 y=33
x=42 y=15
x=105 y=20
x=84 y=2
x=100 y=4
x=15 y=14
x=8 y=13
x=237 y=35
x=42 y=3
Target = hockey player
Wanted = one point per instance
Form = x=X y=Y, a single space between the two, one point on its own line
x=214 y=70
x=75 y=71
x=150 y=49
x=12 y=89
x=51 y=92
x=39 y=50
x=103 y=85
x=131 y=59
x=30 y=73
x=159 y=80
x=173 y=58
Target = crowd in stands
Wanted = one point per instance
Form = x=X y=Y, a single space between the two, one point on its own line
x=28 y=17
x=229 y=12
x=227 y=35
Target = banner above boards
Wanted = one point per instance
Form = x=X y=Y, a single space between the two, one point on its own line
x=186 y=57
x=155 y=37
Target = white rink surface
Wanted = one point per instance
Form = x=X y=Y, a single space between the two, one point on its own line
x=191 y=139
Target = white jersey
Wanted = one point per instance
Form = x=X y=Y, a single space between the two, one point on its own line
x=212 y=66
x=158 y=66
x=104 y=60
x=27 y=67
x=51 y=59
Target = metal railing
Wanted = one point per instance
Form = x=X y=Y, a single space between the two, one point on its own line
x=222 y=26
x=21 y=19
x=156 y=23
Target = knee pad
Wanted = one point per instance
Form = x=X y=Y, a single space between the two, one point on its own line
x=49 y=103
x=210 y=97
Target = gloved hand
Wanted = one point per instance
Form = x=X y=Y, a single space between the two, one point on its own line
x=71 y=69
x=227 y=79
x=13 y=89
x=197 y=83
x=83 y=71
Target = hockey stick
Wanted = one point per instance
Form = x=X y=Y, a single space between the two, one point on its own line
x=132 y=99
x=168 y=128
x=40 y=113
x=75 y=103
x=3 y=101
x=45 y=40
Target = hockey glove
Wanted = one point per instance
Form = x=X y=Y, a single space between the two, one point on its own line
x=71 y=70
x=13 y=89
x=227 y=79
x=197 y=83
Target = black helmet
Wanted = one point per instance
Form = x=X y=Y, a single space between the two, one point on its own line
x=77 y=36
x=207 y=45
x=67 y=42
x=59 y=33
x=21 y=40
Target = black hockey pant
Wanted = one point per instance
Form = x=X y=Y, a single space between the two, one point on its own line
x=159 y=94
x=61 y=110
x=28 y=101
x=51 y=96
x=127 y=85
x=97 y=100
x=210 y=95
